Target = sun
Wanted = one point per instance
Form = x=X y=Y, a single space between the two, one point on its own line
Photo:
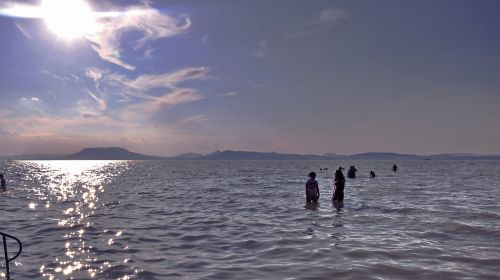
x=68 y=19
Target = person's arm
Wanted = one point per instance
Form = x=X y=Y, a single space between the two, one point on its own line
x=317 y=188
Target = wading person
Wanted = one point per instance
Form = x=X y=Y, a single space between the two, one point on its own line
x=339 y=184
x=312 y=188
x=3 y=187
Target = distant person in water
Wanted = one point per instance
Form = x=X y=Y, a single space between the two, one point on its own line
x=372 y=174
x=3 y=187
x=312 y=188
x=394 y=167
x=351 y=173
x=338 y=188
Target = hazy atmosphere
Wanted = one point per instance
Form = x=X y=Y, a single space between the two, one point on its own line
x=166 y=77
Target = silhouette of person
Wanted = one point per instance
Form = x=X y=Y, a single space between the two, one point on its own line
x=3 y=187
x=351 y=173
x=394 y=167
x=312 y=188
x=339 y=184
x=372 y=174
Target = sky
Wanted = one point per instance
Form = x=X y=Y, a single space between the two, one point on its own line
x=168 y=77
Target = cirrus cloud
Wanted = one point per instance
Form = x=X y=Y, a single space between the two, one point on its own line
x=153 y=25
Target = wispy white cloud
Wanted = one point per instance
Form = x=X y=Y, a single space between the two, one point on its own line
x=323 y=19
x=4 y=132
x=23 y=30
x=330 y=16
x=166 y=80
x=102 y=104
x=230 y=93
x=205 y=39
x=96 y=75
x=150 y=22
x=149 y=53
x=261 y=50
x=32 y=99
x=194 y=119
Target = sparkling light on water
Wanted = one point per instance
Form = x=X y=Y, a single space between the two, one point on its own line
x=76 y=186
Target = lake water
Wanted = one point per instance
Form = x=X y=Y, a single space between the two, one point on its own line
x=248 y=220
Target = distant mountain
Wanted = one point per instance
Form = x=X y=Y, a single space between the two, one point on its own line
x=249 y=155
x=188 y=156
x=33 y=157
x=330 y=155
x=109 y=153
x=116 y=153
x=382 y=156
x=244 y=155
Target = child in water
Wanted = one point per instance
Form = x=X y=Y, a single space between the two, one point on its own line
x=312 y=188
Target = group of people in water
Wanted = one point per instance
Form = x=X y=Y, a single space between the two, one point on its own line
x=312 y=186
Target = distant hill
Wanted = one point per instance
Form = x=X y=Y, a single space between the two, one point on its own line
x=188 y=156
x=33 y=157
x=249 y=155
x=382 y=156
x=109 y=153
x=244 y=155
x=117 y=153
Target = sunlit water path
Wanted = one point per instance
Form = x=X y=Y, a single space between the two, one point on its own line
x=247 y=220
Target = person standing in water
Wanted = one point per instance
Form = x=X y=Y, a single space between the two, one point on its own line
x=338 y=191
x=3 y=187
x=394 y=167
x=312 y=188
x=351 y=173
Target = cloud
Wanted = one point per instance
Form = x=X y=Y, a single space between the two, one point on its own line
x=152 y=25
x=149 y=53
x=23 y=31
x=194 y=119
x=324 y=18
x=231 y=93
x=141 y=97
x=261 y=50
x=30 y=99
x=96 y=75
x=102 y=104
x=205 y=39
x=330 y=16
x=4 y=132
x=166 y=80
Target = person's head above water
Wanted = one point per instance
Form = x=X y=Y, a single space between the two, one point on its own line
x=312 y=175
x=1 y=176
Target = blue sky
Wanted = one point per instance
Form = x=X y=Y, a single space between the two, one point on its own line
x=165 y=77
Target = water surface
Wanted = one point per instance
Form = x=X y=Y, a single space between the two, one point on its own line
x=248 y=220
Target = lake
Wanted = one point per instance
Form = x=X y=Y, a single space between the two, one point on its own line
x=249 y=220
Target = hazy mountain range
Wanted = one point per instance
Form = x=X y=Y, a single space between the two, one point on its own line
x=116 y=153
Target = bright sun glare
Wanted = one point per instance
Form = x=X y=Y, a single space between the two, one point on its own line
x=68 y=19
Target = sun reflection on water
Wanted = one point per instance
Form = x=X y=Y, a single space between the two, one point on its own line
x=73 y=189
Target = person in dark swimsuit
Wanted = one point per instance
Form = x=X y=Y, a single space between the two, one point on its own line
x=394 y=167
x=312 y=188
x=3 y=188
x=338 y=191
x=351 y=173
x=372 y=174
